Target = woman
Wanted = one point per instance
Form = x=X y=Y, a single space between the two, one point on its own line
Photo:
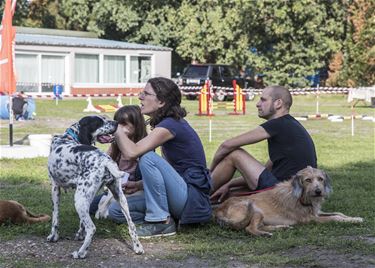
x=176 y=185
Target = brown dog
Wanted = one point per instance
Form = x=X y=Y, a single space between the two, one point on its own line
x=16 y=213
x=297 y=200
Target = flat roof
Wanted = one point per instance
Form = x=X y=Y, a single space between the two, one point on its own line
x=51 y=37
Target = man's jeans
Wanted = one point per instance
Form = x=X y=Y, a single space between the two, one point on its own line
x=165 y=193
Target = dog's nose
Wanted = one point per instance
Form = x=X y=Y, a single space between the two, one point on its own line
x=318 y=191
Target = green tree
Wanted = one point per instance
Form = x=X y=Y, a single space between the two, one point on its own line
x=44 y=14
x=20 y=14
x=211 y=31
x=140 y=21
x=295 y=38
x=286 y=40
x=113 y=19
x=359 y=49
x=76 y=14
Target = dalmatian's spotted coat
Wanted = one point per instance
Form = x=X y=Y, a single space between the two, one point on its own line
x=75 y=163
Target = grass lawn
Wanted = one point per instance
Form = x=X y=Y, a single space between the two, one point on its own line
x=349 y=160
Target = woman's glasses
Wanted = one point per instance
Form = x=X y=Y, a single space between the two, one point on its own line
x=145 y=93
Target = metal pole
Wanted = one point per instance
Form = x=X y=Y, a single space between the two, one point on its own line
x=210 y=130
x=317 y=100
x=235 y=96
x=352 y=118
x=244 y=104
x=11 y=115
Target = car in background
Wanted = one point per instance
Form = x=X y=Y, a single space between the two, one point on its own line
x=220 y=75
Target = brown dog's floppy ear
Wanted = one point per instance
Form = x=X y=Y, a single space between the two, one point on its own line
x=297 y=186
x=327 y=183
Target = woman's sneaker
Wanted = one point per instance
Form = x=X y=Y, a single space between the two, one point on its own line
x=149 y=230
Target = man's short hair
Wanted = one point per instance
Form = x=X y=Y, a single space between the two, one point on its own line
x=280 y=92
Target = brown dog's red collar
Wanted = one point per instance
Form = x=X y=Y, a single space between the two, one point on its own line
x=253 y=192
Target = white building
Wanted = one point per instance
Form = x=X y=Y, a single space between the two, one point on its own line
x=83 y=64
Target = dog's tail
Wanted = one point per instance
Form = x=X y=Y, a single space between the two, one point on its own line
x=32 y=218
x=113 y=169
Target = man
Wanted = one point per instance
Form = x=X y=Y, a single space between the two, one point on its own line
x=290 y=148
x=19 y=106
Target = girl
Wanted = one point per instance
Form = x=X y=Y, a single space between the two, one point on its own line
x=176 y=185
x=132 y=122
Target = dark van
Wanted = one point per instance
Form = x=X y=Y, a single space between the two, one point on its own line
x=221 y=75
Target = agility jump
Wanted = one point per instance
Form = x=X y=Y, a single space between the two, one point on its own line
x=206 y=105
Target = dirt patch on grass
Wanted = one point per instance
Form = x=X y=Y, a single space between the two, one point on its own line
x=32 y=251
x=330 y=258
x=37 y=252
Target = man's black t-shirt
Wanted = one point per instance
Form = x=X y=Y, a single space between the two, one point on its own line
x=18 y=105
x=290 y=146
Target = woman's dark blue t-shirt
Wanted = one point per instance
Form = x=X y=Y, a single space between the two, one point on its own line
x=186 y=155
x=185 y=150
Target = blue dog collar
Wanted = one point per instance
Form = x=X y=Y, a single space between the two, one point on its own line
x=72 y=134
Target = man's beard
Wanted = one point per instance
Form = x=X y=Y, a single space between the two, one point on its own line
x=270 y=113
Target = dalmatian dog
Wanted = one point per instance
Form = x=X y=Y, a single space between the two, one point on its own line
x=75 y=163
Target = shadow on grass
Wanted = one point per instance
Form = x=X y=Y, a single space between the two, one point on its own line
x=353 y=186
x=353 y=195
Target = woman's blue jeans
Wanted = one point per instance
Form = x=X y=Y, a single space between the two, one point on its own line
x=136 y=204
x=165 y=193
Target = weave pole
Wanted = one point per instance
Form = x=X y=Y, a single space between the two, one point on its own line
x=202 y=104
x=210 y=100
x=238 y=99
x=205 y=105
x=317 y=100
x=352 y=119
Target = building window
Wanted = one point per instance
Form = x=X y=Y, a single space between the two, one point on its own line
x=114 y=69
x=140 y=69
x=86 y=68
x=27 y=72
x=53 y=72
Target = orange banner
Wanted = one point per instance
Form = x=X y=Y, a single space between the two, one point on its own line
x=7 y=33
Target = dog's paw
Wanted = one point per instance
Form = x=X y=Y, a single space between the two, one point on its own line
x=79 y=255
x=52 y=237
x=266 y=234
x=79 y=236
x=356 y=220
x=138 y=249
x=97 y=215
x=75 y=255
x=100 y=214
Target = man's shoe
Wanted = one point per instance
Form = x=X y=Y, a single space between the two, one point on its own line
x=149 y=230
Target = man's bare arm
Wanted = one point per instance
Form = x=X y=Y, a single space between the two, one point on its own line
x=253 y=136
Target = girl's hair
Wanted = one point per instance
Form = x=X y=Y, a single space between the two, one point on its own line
x=125 y=115
x=168 y=92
